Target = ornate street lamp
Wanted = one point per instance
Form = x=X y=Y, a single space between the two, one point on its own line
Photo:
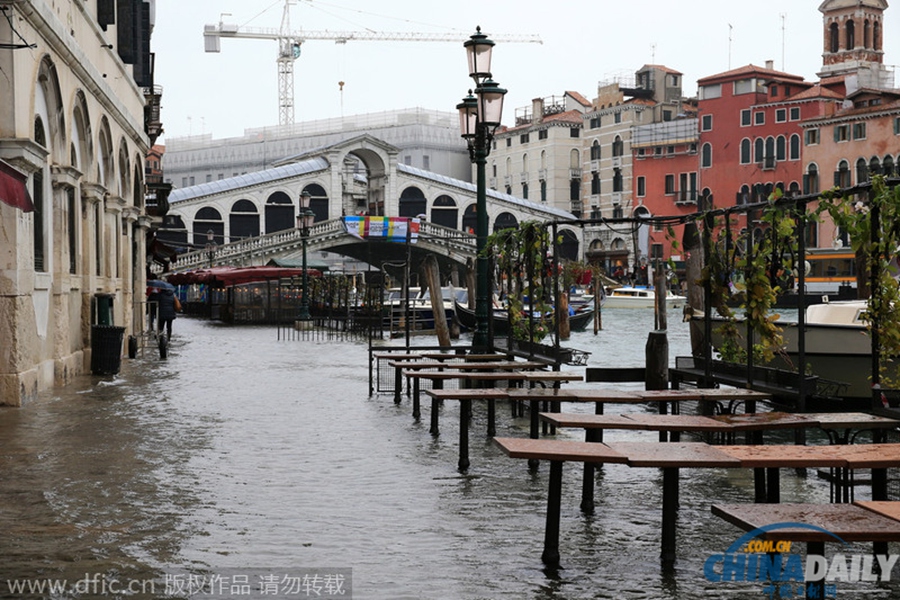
x=305 y=218
x=210 y=246
x=479 y=117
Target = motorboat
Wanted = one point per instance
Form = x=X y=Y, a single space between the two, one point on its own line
x=640 y=297
x=837 y=347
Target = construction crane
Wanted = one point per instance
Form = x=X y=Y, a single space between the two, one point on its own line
x=289 y=43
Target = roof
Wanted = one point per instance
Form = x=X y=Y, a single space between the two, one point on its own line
x=228 y=276
x=749 y=70
x=662 y=68
x=816 y=91
x=579 y=98
x=229 y=184
x=470 y=187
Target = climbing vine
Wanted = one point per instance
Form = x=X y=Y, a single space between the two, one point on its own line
x=520 y=257
x=873 y=226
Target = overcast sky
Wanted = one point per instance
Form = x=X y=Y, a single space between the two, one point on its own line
x=584 y=42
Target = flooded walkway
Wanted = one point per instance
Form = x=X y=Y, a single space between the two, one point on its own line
x=244 y=452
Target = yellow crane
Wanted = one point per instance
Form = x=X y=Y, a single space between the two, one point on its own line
x=289 y=43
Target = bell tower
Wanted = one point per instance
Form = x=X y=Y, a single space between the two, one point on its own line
x=853 y=34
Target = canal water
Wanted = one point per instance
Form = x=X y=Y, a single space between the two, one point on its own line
x=243 y=455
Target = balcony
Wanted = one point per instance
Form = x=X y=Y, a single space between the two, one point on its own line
x=616 y=198
x=523 y=177
x=542 y=174
x=507 y=180
x=595 y=166
x=768 y=163
x=152 y=123
x=492 y=183
x=617 y=162
x=685 y=197
x=574 y=173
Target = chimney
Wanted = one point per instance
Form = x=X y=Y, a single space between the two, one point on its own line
x=770 y=65
x=537 y=110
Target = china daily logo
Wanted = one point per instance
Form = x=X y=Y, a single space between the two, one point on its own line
x=784 y=573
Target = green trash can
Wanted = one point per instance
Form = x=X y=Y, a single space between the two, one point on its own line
x=106 y=349
x=103 y=309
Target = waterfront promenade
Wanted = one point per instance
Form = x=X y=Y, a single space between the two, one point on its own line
x=244 y=451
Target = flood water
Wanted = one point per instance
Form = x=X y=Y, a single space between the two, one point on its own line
x=241 y=451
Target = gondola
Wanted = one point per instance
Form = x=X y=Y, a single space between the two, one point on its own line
x=466 y=316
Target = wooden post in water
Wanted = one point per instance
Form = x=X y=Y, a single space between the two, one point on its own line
x=598 y=297
x=565 y=330
x=657 y=350
x=693 y=265
x=432 y=276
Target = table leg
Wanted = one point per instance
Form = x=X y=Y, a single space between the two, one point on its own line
x=417 y=409
x=464 y=407
x=663 y=436
x=669 y=515
x=587 y=483
x=815 y=589
x=398 y=384
x=550 y=555
x=773 y=485
x=435 y=406
x=534 y=432
x=492 y=418
x=759 y=485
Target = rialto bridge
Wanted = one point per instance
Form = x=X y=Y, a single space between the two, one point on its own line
x=251 y=219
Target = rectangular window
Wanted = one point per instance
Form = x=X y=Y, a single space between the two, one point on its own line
x=73 y=223
x=795 y=113
x=523 y=139
x=543 y=133
x=641 y=186
x=426 y=162
x=670 y=185
x=656 y=252
x=667 y=115
x=745 y=118
x=859 y=131
x=773 y=90
x=574 y=132
x=812 y=137
x=841 y=133
x=896 y=125
x=759 y=118
x=744 y=86
x=708 y=92
x=617 y=117
x=509 y=142
x=781 y=115
x=670 y=149
x=595 y=122
x=407 y=160
x=706 y=123
x=657 y=151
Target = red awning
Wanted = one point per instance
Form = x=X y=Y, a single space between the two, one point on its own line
x=228 y=276
x=12 y=188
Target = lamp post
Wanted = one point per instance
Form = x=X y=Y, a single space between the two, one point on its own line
x=305 y=219
x=210 y=246
x=479 y=117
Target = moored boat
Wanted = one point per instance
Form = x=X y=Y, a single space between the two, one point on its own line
x=640 y=297
x=500 y=318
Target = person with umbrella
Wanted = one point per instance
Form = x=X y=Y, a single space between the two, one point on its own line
x=163 y=294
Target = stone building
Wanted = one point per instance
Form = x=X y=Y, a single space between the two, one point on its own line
x=78 y=102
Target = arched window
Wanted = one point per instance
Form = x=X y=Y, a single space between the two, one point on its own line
x=850 y=28
x=833 y=38
x=318 y=201
x=243 y=222
x=208 y=219
x=617 y=180
x=770 y=148
x=862 y=171
x=618 y=147
x=595 y=150
x=887 y=166
x=37 y=198
x=760 y=148
x=574 y=159
x=706 y=156
x=866 y=34
x=811 y=180
x=745 y=151
x=444 y=212
x=875 y=166
x=505 y=220
x=743 y=196
x=780 y=148
x=876 y=36
x=412 y=202
x=280 y=213
x=795 y=147
x=842 y=175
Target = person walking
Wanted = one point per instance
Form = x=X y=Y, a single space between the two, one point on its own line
x=166 y=310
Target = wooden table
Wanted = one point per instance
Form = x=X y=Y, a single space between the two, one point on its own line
x=829 y=522
x=421 y=365
x=557 y=452
x=834 y=423
x=671 y=457
x=733 y=396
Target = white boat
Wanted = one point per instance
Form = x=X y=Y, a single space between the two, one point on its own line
x=837 y=346
x=421 y=313
x=640 y=297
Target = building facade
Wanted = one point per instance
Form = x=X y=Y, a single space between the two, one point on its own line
x=77 y=80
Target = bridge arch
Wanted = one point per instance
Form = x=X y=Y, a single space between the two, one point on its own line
x=208 y=219
x=279 y=212
x=445 y=212
x=243 y=222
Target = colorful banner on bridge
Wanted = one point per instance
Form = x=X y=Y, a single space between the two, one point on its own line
x=392 y=229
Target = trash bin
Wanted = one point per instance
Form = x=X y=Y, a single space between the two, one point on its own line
x=106 y=349
x=103 y=307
